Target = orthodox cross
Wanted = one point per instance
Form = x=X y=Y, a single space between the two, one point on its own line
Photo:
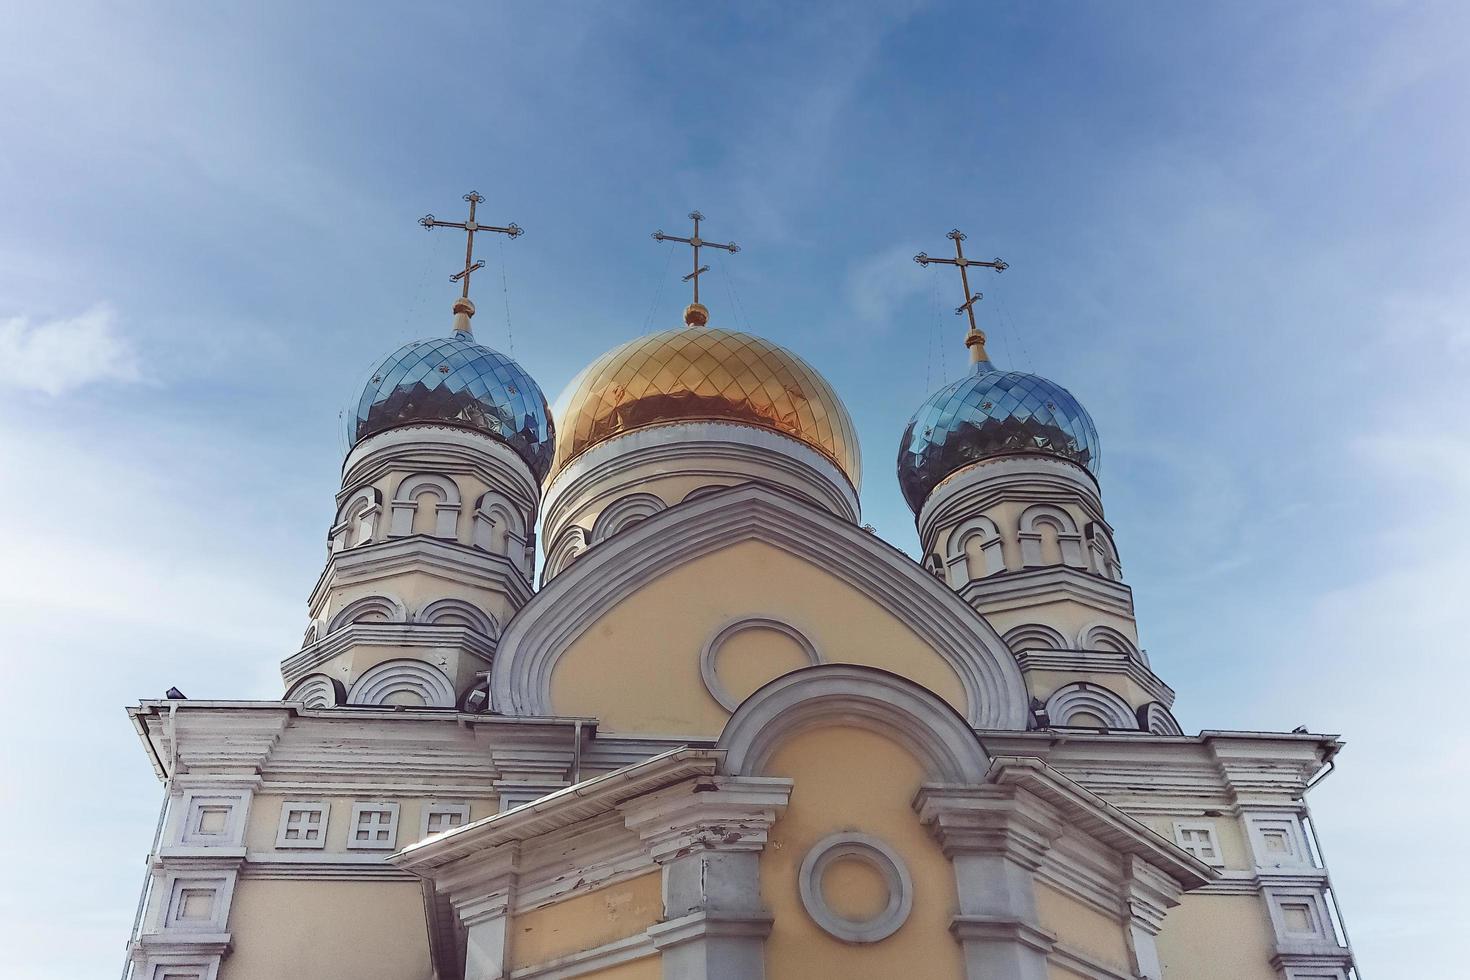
x=696 y=243
x=968 y=306
x=469 y=227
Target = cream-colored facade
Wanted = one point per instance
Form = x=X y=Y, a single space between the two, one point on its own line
x=731 y=733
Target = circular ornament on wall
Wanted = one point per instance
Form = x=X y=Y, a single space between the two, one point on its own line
x=878 y=856
x=709 y=656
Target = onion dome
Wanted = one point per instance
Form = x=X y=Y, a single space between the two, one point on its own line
x=455 y=381
x=700 y=373
x=990 y=413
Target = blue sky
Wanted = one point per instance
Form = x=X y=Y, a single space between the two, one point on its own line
x=1236 y=233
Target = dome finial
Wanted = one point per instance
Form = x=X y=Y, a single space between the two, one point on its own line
x=977 y=347
x=695 y=309
x=463 y=310
x=975 y=340
x=696 y=315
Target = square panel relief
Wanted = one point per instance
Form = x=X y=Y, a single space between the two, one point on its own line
x=374 y=826
x=303 y=824
x=213 y=819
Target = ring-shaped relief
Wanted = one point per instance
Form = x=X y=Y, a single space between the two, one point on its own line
x=709 y=657
x=875 y=854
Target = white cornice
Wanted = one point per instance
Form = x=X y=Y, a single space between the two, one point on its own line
x=421 y=553
x=1009 y=591
x=713 y=449
x=1030 y=478
x=407 y=635
x=606 y=575
x=1097 y=662
x=441 y=448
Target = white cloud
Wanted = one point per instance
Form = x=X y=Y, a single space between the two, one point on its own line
x=61 y=355
x=878 y=285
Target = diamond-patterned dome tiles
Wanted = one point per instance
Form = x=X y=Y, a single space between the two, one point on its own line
x=455 y=381
x=986 y=414
x=697 y=374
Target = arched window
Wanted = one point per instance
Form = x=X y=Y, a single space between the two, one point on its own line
x=1049 y=536
x=973 y=551
x=358 y=519
x=426 y=504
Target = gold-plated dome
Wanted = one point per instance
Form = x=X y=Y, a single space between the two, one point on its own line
x=701 y=374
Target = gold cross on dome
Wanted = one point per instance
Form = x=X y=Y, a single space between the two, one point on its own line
x=696 y=243
x=968 y=306
x=469 y=226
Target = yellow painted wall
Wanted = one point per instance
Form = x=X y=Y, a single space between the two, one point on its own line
x=308 y=928
x=1217 y=937
x=651 y=641
x=854 y=779
x=587 y=920
x=1081 y=926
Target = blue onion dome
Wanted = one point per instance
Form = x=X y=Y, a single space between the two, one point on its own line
x=989 y=413
x=455 y=381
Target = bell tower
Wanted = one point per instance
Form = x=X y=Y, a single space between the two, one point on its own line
x=1000 y=469
x=432 y=547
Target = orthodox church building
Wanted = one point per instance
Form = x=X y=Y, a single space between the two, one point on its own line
x=726 y=731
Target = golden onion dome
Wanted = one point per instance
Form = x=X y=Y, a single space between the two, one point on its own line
x=699 y=373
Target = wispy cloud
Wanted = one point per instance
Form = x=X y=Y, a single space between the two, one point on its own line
x=60 y=355
x=878 y=285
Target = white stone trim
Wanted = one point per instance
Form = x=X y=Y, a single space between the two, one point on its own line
x=379 y=683
x=1200 y=838
x=713 y=449
x=317 y=691
x=1156 y=719
x=863 y=697
x=1104 y=636
x=458 y=814
x=1069 y=700
x=1069 y=538
x=709 y=656
x=446 y=506
x=179 y=966
x=202 y=809
x=877 y=855
x=498 y=526
x=569 y=604
x=442 y=448
x=569 y=545
x=390 y=607
x=980 y=486
x=184 y=891
x=357 y=519
x=444 y=612
x=1282 y=828
x=624 y=512
x=305 y=825
x=992 y=554
x=1034 y=636
x=374 y=826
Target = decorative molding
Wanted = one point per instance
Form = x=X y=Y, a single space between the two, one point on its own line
x=1028 y=479
x=414 y=677
x=446 y=505
x=1031 y=587
x=303 y=824
x=569 y=545
x=713 y=450
x=1103 y=636
x=374 y=826
x=1156 y=719
x=1071 y=700
x=875 y=854
x=454 y=611
x=416 y=636
x=863 y=697
x=1063 y=525
x=709 y=656
x=317 y=691
x=426 y=447
x=624 y=512
x=1034 y=636
x=571 y=602
x=370 y=609
x=450 y=560
x=957 y=559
